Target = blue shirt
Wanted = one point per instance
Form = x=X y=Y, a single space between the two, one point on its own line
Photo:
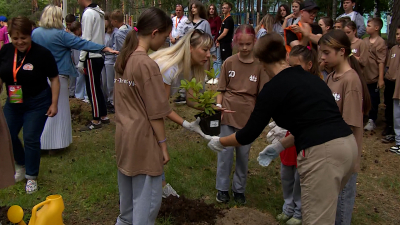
x=60 y=43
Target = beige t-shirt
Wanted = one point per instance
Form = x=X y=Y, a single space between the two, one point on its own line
x=139 y=97
x=376 y=54
x=347 y=91
x=240 y=84
x=393 y=62
x=359 y=49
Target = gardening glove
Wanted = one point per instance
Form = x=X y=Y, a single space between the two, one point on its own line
x=275 y=134
x=215 y=144
x=270 y=153
x=194 y=126
x=81 y=68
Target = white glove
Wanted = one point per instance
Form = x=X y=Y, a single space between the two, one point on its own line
x=276 y=133
x=215 y=144
x=194 y=126
x=81 y=68
x=270 y=153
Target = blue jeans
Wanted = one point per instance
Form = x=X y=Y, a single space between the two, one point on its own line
x=345 y=202
x=31 y=116
x=217 y=63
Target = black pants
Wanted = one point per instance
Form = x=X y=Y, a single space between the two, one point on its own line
x=226 y=50
x=388 y=95
x=374 y=92
x=93 y=87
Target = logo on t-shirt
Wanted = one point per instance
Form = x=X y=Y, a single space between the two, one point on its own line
x=336 y=96
x=253 y=78
x=232 y=73
x=28 y=66
x=354 y=51
x=393 y=56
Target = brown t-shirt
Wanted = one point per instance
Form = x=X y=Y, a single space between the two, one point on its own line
x=376 y=54
x=240 y=84
x=347 y=91
x=359 y=49
x=393 y=62
x=139 y=97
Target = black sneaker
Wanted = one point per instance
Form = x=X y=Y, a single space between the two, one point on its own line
x=239 y=198
x=223 y=197
x=180 y=100
x=105 y=121
x=388 y=131
x=91 y=126
x=388 y=139
x=111 y=110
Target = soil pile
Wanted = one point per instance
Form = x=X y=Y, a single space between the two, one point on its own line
x=3 y=215
x=81 y=112
x=186 y=211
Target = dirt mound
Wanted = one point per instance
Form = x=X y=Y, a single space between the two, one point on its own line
x=3 y=215
x=81 y=112
x=248 y=216
x=186 y=211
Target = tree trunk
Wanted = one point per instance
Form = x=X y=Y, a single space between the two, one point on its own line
x=395 y=23
x=377 y=11
x=264 y=7
x=334 y=9
x=258 y=6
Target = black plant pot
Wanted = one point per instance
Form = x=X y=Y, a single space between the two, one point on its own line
x=210 y=125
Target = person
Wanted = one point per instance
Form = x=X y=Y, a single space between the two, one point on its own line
x=266 y=25
x=283 y=11
x=305 y=32
x=140 y=108
x=215 y=23
x=358 y=46
x=4 y=38
x=326 y=24
x=314 y=121
x=393 y=63
x=91 y=64
x=340 y=23
x=242 y=78
x=294 y=18
x=350 y=92
x=57 y=133
x=291 y=211
x=224 y=40
x=184 y=60
x=80 y=85
x=24 y=68
x=348 y=6
x=7 y=167
x=69 y=19
x=375 y=67
x=197 y=18
x=178 y=23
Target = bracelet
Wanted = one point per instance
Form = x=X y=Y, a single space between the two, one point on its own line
x=162 y=141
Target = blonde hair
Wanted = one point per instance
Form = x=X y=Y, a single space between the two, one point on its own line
x=51 y=17
x=267 y=22
x=180 y=55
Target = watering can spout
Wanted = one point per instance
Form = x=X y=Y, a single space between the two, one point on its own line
x=48 y=212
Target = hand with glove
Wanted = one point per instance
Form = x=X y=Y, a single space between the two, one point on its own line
x=194 y=126
x=215 y=144
x=81 y=68
x=270 y=153
x=276 y=133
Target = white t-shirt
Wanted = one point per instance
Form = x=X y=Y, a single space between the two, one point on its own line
x=352 y=15
x=178 y=25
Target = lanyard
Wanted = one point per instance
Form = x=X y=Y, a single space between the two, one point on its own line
x=177 y=22
x=226 y=17
x=15 y=69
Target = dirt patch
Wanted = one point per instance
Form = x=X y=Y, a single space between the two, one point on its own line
x=186 y=211
x=81 y=112
x=248 y=216
x=3 y=215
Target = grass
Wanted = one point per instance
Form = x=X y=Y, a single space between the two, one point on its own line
x=86 y=176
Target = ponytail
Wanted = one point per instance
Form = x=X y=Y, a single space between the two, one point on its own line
x=130 y=45
x=355 y=65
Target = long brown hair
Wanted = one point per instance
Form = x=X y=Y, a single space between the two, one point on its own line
x=307 y=54
x=201 y=10
x=151 y=19
x=267 y=22
x=278 y=17
x=337 y=39
x=215 y=11
x=109 y=28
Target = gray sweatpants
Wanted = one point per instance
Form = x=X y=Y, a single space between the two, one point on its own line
x=346 y=201
x=396 y=119
x=140 y=199
x=225 y=161
x=291 y=191
x=107 y=79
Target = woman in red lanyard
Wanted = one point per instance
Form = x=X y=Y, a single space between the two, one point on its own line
x=25 y=67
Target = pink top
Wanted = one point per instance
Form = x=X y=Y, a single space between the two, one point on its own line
x=4 y=35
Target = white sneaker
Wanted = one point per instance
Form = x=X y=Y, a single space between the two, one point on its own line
x=31 y=186
x=19 y=173
x=370 y=125
x=168 y=190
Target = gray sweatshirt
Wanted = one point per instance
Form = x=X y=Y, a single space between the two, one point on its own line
x=201 y=25
x=358 y=19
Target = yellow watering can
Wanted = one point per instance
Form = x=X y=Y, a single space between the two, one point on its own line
x=49 y=214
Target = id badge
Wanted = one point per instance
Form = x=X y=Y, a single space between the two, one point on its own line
x=15 y=93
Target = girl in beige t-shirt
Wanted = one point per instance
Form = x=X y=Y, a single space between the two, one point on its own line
x=358 y=46
x=350 y=92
